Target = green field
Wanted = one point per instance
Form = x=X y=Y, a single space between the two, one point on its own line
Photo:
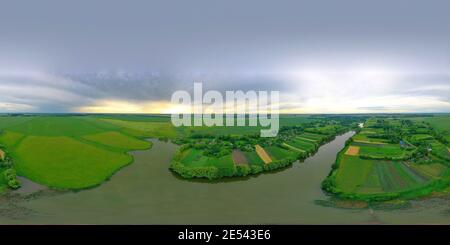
x=67 y=152
x=302 y=144
x=253 y=158
x=378 y=150
x=10 y=139
x=277 y=153
x=362 y=176
x=144 y=129
x=66 y=163
x=440 y=150
x=117 y=140
x=440 y=122
x=389 y=170
x=352 y=172
x=312 y=136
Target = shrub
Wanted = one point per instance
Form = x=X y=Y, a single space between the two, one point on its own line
x=14 y=184
x=10 y=174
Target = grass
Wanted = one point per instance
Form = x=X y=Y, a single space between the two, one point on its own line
x=292 y=148
x=420 y=137
x=145 y=129
x=432 y=170
x=378 y=150
x=203 y=130
x=302 y=144
x=195 y=158
x=441 y=123
x=352 y=172
x=67 y=152
x=65 y=163
x=253 y=158
x=9 y=121
x=277 y=153
x=440 y=150
x=367 y=176
x=396 y=176
x=59 y=126
x=325 y=130
x=118 y=140
x=10 y=139
x=363 y=136
x=312 y=136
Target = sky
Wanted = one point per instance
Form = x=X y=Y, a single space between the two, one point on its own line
x=347 y=56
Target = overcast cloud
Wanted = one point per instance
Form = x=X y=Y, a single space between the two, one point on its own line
x=130 y=56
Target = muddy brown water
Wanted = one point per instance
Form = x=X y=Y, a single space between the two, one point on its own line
x=146 y=192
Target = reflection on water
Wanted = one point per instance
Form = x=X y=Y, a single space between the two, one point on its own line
x=146 y=192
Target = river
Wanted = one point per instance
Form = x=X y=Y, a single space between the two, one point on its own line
x=146 y=192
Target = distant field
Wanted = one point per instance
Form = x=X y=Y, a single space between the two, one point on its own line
x=118 y=140
x=440 y=150
x=144 y=129
x=10 y=139
x=57 y=126
x=441 y=123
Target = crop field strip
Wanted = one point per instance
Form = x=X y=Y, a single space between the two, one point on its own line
x=293 y=148
x=277 y=153
x=352 y=151
x=253 y=158
x=312 y=136
x=263 y=154
x=301 y=144
x=303 y=138
x=239 y=158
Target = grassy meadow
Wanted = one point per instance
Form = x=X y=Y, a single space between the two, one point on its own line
x=69 y=152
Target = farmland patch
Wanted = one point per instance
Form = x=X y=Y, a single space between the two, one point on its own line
x=263 y=154
x=352 y=151
x=239 y=158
